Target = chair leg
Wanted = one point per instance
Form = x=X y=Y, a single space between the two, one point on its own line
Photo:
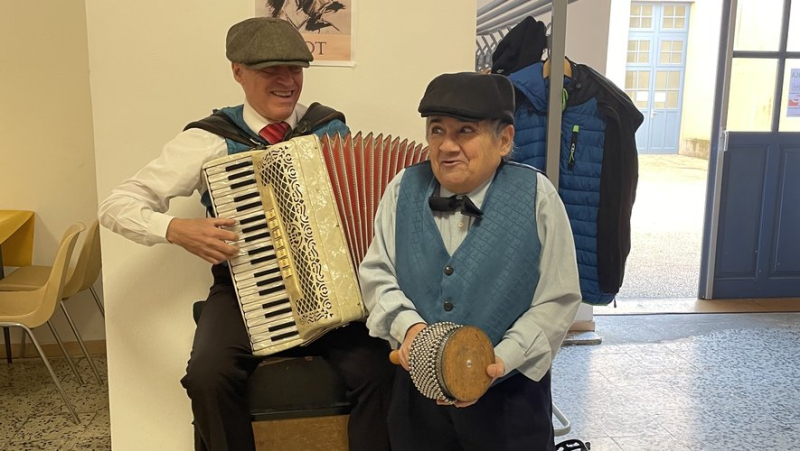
x=66 y=354
x=97 y=299
x=22 y=341
x=80 y=342
x=7 y=338
x=53 y=375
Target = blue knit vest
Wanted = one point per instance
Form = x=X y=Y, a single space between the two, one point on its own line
x=495 y=270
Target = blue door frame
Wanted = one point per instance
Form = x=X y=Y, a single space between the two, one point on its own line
x=751 y=239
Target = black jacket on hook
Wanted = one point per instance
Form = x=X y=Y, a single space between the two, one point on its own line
x=521 y=47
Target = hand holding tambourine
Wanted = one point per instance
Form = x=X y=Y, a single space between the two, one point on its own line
x=449 y=362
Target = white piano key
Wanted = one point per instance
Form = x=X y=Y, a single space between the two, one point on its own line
x=231 y=175
x=263 y=298
x=247 y=259
x=274 y=273
x=244 y=292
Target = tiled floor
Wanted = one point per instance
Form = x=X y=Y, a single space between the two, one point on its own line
x=34 y=417
x=722 y=382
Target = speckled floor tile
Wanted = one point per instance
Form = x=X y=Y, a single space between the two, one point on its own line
x=60 y=444
x=93 y=444
x=52 y=427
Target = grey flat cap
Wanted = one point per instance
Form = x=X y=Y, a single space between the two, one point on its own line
x=266 y=41
x=469 y=96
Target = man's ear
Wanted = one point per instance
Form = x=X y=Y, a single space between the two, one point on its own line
x=237 y=72
x=506 y=139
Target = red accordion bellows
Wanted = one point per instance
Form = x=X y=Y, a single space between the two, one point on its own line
x=360 y=168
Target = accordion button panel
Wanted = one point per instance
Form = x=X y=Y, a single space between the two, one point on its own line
x=261 y=267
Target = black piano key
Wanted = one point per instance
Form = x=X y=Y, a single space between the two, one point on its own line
x=278 y=278
x=246 y=196
x=275 y=303
x=249 y=206
x=243 y=184
x=286 y=335
x=280 y=327
x=254 y=228
x=251 y=219
x=260 y=250
x=278 y=312
x=271 y=290
x=240 y=175
x=256 y=261
x=266 y=273
x=257 y=237
x=236 y=166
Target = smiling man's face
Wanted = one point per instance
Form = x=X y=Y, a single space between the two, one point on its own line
x=465 y=154
x=272 y=91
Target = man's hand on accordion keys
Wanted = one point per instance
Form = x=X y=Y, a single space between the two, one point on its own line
x=204 y=237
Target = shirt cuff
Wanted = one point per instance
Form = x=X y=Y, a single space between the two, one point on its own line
x=157 y=228
x=511 y=353
x=402 y=322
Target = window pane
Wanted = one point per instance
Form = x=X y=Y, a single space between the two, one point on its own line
x=630 y=79
x=790 y=103
x=647 y=22
x=758 y=25
x=669 y=11
x=680 y=24
x=644 y=57
x=644 y=79
x=674 y=80
x=632 y=57
x=752 y=95
x=661 y=79
x=676 y=58
x=636 y=22
x=636 y=10
x=647 y=10
x=672 y=99
x=644 y=45
x=660 y=99
x=794 y=28
x=680 y=12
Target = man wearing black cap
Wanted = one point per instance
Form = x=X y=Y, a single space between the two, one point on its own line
x=472 y=239
x=267 y=59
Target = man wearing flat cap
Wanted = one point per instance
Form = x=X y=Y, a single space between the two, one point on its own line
x=470 y=238
x=267 y=58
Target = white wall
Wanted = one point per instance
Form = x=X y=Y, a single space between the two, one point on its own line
x=156 y=66
x=46 y=134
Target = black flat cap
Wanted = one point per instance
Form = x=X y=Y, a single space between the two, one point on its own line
x=469 y=96
x=266 y=41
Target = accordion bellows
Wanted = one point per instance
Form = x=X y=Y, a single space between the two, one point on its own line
x=305 y=210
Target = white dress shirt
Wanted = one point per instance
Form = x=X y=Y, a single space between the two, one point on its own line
x=533 y=340
x=136 y=208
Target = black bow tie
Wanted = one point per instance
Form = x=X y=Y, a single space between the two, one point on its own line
x=460 y=202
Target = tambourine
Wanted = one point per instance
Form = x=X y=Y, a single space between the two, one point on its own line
x=448 y=362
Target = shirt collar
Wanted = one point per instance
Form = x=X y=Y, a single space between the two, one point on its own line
x=256 y=122
x=476 y=196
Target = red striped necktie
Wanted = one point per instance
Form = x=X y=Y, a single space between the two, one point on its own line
x=275 y=132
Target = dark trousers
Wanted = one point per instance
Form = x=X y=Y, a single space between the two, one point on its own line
x=514 y=415
x=221 y=362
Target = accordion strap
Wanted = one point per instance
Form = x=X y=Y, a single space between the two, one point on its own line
x=316 y=116
x=222 y=125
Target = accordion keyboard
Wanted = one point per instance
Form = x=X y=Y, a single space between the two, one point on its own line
x=259 y=270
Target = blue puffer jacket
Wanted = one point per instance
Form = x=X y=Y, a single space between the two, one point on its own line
x=582 y=140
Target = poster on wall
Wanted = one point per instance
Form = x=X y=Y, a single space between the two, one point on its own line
x=326 y=25
x=793 y=106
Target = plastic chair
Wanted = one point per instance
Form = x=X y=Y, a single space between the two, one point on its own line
x=32 y=308
x=79 y=278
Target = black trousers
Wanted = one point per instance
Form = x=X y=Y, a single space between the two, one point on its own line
x=221 y=362
x=514 y=415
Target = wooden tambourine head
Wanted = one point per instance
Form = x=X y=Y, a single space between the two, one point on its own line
x=464 y=358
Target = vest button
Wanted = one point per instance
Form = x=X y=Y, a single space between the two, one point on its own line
x=448 y=306
x=448 y=270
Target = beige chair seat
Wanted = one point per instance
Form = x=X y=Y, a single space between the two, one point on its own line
x=27 y=278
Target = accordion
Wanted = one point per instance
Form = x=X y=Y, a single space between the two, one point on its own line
x=305 y=210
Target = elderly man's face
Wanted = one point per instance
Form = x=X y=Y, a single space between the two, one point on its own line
x=272 y=91
x=465 y=154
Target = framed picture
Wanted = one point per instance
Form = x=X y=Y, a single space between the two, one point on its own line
x=326 y=26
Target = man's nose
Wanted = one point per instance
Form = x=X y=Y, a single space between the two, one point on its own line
x=449 y=145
